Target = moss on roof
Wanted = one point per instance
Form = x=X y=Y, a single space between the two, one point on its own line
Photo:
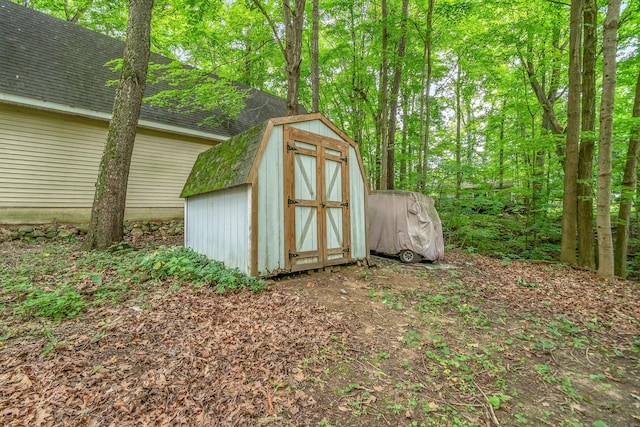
x=225 y=165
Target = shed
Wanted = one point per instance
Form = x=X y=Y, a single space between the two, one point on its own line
x=287 y=195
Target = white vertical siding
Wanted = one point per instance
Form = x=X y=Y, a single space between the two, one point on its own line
x=271 y=205
x=217 y=225
x=50 y=161
x=357 y=208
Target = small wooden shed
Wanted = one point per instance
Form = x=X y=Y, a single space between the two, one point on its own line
x=287 y=195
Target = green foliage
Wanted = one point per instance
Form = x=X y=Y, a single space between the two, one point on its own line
x=58 y=304
x=58 y=283
x=186 y=265
x=489 y=229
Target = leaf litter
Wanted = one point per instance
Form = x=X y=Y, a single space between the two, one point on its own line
x=330 y=347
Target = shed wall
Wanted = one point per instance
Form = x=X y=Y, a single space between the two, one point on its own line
x=271 y=205
x=217 y=225
x=358 y=208
x=49 y=165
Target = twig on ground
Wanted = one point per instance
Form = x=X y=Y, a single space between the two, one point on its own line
x=490 y=407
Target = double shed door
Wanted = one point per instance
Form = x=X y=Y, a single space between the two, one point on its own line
x=317 y=224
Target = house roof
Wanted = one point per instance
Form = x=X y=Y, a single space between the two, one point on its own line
x=46 y=61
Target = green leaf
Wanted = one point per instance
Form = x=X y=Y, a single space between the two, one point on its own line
x=495 y=401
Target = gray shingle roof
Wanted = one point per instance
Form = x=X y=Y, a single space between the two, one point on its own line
x=47 y=59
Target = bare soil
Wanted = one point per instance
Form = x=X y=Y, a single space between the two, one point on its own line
x=474 y=341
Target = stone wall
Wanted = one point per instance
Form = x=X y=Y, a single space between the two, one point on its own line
x=42 y=233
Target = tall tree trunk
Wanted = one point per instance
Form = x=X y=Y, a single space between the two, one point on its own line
x=291 y=48
x=404 y=161
x=628 y=189
x=603 y=218
x=395 y=93
x=425 y=102
x=586 y=240
x=107 y=214
x=570 y=196
x=384 y=100
x=458 y=89
x=315 y=51
x=293 y=51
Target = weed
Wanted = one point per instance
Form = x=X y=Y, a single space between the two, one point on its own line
x=348 y=389
x=411 y=338
x=525 y=284
x=63 y=302
x=53 y=341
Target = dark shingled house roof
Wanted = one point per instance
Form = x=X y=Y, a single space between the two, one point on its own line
x=52 y=61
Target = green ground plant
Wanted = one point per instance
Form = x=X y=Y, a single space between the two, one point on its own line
x=57 y=281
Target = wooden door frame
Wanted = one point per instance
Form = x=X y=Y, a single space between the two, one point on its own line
x=290 y=136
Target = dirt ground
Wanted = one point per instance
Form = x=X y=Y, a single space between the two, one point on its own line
x=473 y=341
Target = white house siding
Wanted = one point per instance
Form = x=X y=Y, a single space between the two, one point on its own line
x=217 y=225
x=271 y=206
x=49 y=165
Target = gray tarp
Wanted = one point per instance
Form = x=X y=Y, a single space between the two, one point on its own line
x=400 y=220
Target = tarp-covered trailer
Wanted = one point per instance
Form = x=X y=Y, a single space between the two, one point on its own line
x=404 y=224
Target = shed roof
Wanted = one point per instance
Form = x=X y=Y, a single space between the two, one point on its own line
x=48 y=59
x=225 y=165
x=233 y=161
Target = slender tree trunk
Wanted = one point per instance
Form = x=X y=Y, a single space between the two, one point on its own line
x=570 y=197
x=395 y=94
x=107 y=214
x=291 y=48
x=628 y=189
x=384 y=100
x=586 y=240
x=293 y=51
x=425 y=102
x=315 y=52
x=404 y=161
x=458 y=89
x=603 y=219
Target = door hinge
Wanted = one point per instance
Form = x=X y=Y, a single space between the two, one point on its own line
x=291 y=148
x=292 y=255
x=345 y=250
x=345 y=159
x=345 y=204
x=291 y=201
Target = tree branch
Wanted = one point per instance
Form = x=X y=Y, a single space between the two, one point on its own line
x=271 y=24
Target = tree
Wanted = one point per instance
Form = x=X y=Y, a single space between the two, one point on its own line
x=107 y=214
x=395 y=94
x=291 y=48
x=586 y=241
x=315 y=52
x=570 y=198
x=603 y=216
x=628 y=189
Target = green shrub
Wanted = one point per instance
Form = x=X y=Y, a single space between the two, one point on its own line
x=186 y=265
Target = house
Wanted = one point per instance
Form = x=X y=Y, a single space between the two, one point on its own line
x=55 y=105
x=287 y=195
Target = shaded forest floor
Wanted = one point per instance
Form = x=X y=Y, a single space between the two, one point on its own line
x=472 y=342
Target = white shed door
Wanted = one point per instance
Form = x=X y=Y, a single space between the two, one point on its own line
x=317 y=200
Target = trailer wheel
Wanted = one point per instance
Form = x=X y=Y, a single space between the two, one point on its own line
x=409 y=257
